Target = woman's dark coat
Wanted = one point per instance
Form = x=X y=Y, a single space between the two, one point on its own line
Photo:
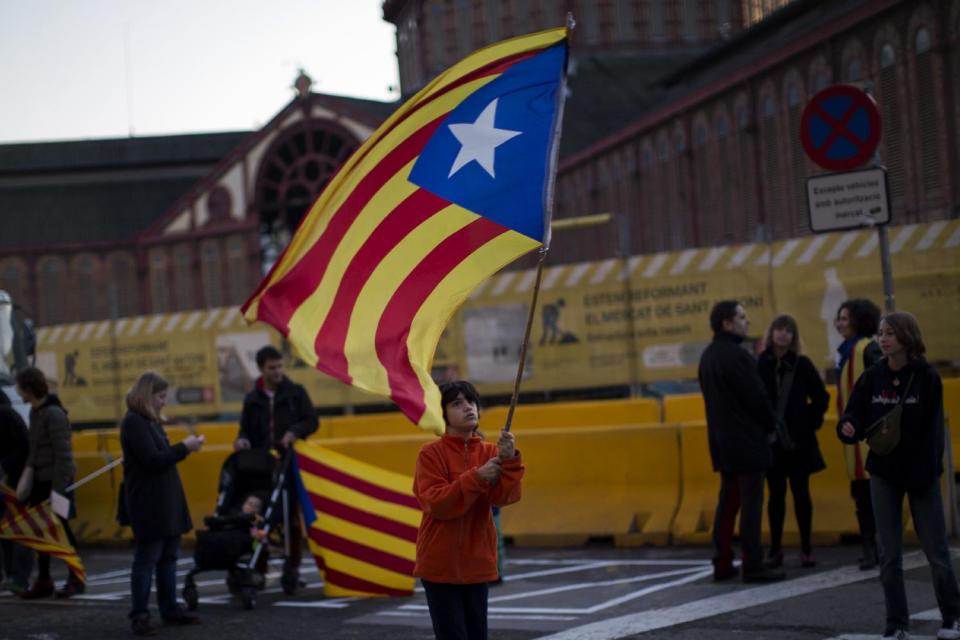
x=155 y=501
x=806 y=403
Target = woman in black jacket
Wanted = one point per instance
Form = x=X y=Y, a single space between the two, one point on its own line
x=797 y=392
x=154 y=501
x=912 y=468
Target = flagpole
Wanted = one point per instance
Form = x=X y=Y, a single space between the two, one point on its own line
x=99 y=472
x=526 y=340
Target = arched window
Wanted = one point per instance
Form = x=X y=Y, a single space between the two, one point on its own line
x=123 y=277
x=699 y=134
x=855 y=71
x=238 y=271
x=930 y=128
x=159 y=282
x=887 y=56
x=52 y=274
x=893 y=153
x=86 y=272
x=774 y=198
x=211 y=273
x=922 y=41
x=13 y=280
x=794 y=221
x=183 y=278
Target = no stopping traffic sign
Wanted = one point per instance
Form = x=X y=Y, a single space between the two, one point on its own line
x=840 y=128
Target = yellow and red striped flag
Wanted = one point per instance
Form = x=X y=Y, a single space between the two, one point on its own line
x=455 y=185
x=361 y=523
x=38 y=528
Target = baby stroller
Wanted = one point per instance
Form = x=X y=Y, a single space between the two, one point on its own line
x=227 y=543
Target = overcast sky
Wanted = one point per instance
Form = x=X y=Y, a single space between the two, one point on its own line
x=107 y=68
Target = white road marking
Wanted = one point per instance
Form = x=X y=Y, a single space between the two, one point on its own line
x=650 y=620
x=589 y=585
x=690 y=577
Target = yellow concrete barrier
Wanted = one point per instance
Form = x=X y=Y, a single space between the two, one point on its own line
x=620 y=481
x=683 y=407
x=575 y=414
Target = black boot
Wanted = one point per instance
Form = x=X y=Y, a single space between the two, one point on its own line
x=869 y=560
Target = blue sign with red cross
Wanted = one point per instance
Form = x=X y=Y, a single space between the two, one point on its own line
x=840 y=128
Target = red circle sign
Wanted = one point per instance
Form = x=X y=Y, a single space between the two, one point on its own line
x=840 y=128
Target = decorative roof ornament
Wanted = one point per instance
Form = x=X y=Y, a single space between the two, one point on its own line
x=302 y=84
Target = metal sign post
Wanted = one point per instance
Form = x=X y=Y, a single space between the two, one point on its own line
x=840 y=131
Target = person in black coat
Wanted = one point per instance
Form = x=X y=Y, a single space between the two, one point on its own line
x=912 y=468
x=740 y=426
x=796 y=391
x=16 y=559
x=154 y=502
x=277 y=412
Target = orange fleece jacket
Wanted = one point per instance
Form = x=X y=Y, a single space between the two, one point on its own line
x=457 y=540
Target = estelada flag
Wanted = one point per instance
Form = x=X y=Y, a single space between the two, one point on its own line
x=39 y=528
x=455 y=185
x=361 y=523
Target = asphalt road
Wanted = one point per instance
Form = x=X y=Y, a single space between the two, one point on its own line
x=591 y=593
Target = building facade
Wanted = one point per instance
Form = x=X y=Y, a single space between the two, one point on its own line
x=682 y=123
x=117 y=228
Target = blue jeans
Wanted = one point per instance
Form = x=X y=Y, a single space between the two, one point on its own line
x=158 y=555
x=927 y=511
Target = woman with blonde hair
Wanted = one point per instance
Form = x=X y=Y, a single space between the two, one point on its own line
x=154 y=502
x=797 y=393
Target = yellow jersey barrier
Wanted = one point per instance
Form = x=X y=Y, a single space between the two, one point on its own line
x=591 y=471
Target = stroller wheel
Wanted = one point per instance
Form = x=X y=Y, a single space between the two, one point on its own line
x=248 y=598
x=190 y=597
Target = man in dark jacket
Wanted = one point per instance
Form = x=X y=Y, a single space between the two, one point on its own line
x=740 y=427
x=16 y=560
x=275 y=414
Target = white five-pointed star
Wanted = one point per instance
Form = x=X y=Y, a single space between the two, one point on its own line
x=479 y=139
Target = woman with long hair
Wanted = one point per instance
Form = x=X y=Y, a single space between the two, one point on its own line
x=903 y=382
x=800 y=399
x=155 y=503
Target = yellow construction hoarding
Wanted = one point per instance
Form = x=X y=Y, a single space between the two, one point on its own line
x=621 y=321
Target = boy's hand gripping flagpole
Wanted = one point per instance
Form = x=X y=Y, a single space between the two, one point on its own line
x=551 y=182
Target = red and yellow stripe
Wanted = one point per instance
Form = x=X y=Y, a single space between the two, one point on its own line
x=365 y=528
x=38 y=528
x=378 y=266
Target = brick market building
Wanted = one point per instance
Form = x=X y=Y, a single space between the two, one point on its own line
x=681 y=124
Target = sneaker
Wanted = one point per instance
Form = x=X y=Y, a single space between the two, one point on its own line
x=899 y=634
x=72 y=587
x=140 y=625
x=807 y=560
x=949 y=631
x=40 y=589
x=763 y=575
x=180 y=616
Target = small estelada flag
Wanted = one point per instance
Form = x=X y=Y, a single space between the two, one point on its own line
x=38 y=528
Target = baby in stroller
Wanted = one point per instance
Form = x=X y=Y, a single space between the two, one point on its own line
x=237 y=536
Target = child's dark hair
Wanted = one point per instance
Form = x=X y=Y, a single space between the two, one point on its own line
x=450 y=390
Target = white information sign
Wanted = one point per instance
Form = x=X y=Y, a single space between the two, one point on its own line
x=850 y=200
